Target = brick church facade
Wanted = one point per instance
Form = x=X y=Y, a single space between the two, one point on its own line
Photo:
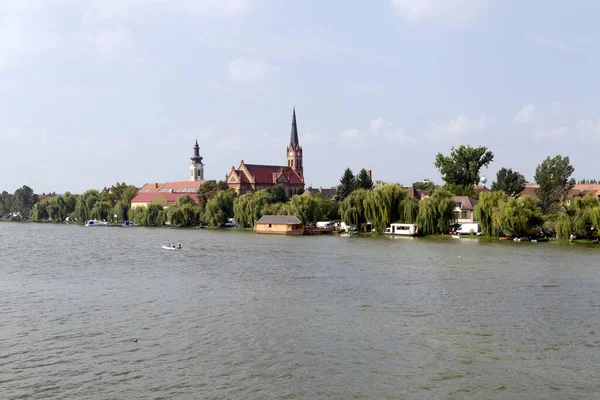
x=252 y=177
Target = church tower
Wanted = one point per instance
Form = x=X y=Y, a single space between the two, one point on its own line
x=294 y=150
x=196 y=167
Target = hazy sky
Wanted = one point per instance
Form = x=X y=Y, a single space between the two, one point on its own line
x=100 y=91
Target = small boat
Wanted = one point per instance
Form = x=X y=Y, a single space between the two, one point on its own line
x=402 y=230
x=171 y=247
x=505 y=238
x=455 y=236
x=94 y=222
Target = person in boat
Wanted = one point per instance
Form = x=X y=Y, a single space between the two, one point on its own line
x=179 y=246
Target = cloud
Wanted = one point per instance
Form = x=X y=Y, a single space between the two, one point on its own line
x=588 y=127
x=248 y=70
x=376 y=124
x=560 y=46
x=557 y=120
x=379 y=130
x=459 y=126
x=350 y=133
x=526 y=114
x=453 y=12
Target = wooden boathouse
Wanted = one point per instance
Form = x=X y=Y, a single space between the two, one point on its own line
x=279 y=225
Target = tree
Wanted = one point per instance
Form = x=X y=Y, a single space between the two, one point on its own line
x=582 y=214
x=208 y=190
x=248 y=208
x=424 y=185
x=515 y=216
x=6 y=202
x=220 y=207
x=347 y=185
x=279 y=193
x=85 y=203
x=384 y=206
x=484 y=211
x=352 y=209
x=511 y=183
x=363 y=180
x=24 y=199
x=554 y=177
x=436 y=211
x=460 y=170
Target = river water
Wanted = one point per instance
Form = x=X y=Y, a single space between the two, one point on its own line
x=236 y=315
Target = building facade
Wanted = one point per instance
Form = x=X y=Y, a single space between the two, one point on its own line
x=252 y=177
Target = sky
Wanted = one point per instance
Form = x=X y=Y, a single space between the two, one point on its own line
x=103 y=91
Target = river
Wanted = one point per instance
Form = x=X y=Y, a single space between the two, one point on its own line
x=105 y=313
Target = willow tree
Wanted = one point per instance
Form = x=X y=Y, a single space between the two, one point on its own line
x=484 y=211
x=515 y=216
x=276 y=209
x=582 y=214
x=85 y=203
x=220 y=207
x=436 y=211
x=352 y=208
x=411 y=210
x=247 y=209
x=384 y=206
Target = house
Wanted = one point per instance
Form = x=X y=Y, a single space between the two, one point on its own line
x=165 y=194
x=464 y=212
x=252 y=177
x=328 y=193
x=480 y=189
x=279 y=225
x=579 y=189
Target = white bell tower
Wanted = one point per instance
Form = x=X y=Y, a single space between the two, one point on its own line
x=196 y=167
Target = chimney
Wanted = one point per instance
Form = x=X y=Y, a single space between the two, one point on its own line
x=370 y=174
x=156 y=185
x=320 y=188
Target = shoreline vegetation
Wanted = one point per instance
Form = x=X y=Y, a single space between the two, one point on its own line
x=553 y=212
x=333 y=233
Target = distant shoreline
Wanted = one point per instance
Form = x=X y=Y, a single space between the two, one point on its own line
x=361 y=234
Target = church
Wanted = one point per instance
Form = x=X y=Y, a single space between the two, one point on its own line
x=252 y=177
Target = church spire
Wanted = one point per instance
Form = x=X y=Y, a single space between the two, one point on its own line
x=294 y=134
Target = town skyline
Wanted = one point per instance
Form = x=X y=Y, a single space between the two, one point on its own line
x=117 y=91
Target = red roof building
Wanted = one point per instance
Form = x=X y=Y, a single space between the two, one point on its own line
x=252 y=177
x=165 y=194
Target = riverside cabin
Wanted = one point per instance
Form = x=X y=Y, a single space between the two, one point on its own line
x=279 y=225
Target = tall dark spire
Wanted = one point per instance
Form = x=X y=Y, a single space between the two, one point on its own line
x=294 y=134
x=196 y=158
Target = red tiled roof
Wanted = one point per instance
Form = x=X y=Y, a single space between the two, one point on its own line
x=465 y=202
x=264 y=173
x=173 y=197
x=150 y=187
x=182 y=186
x=144 y=197
x=480 y=189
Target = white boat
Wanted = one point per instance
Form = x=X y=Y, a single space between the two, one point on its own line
x=402 y=230
x=171 y=247
x=455 y=236
x=94 y=222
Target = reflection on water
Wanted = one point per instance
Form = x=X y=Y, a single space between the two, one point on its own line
x=235 y=315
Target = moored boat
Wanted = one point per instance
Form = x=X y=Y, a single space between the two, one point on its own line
x=402 y=230
x=94 y=222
